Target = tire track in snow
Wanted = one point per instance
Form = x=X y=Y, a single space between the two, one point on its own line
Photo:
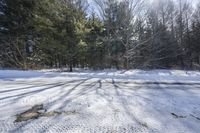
x=65 y=127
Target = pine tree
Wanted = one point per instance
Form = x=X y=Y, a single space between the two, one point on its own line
x=60 y=27
x=95 y=46
x=16 y=30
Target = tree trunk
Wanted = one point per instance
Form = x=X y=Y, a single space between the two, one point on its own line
x=70 y=65
x=127 y=63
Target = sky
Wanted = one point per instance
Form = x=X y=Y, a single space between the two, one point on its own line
x=92 y=6
x=193 y=1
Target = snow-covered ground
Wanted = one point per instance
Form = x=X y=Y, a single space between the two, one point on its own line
x=159 y=101
x=167 y=76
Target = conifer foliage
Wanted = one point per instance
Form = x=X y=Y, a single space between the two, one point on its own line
x=116 y=34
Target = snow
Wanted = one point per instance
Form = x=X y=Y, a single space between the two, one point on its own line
x=157 y=101
x=169 y=76
x=19 y=74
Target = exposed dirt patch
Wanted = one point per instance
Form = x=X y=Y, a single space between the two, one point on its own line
x=195 y=117
x=69 y=112
x=33 y=113
x=50 y=114
x=26 y=116
x=144 y=124
x=178 y=116
x=38 y=111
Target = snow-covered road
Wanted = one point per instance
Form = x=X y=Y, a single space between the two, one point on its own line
x=100 y=105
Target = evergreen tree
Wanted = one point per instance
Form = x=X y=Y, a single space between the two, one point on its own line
x=60 y=27
x=122 y=34
x=95 y=46
x=16 y=31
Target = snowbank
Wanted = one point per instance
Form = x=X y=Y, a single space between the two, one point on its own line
x=169 y=76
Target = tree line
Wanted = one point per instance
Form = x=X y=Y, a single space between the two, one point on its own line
x=124 y=34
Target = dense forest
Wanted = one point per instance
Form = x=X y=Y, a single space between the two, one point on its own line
x=99 y=34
